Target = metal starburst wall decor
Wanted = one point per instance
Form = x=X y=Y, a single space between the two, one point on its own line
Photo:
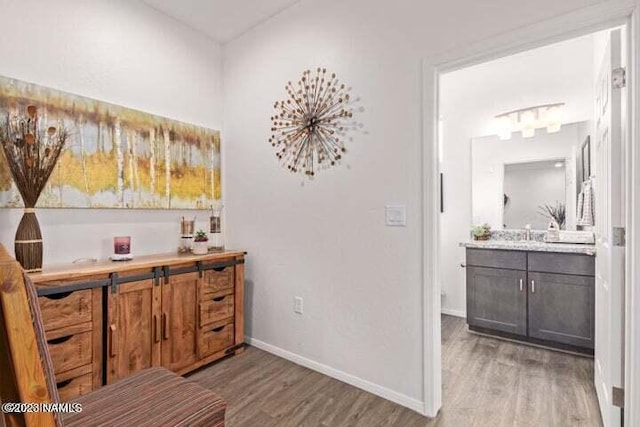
x=308 y=127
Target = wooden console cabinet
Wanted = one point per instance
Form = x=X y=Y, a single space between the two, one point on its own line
x=105 y=321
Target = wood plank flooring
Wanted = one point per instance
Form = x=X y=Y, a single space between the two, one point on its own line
x=487 y=382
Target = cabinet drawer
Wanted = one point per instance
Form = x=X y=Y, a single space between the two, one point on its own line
x=72 y=388
x=218 y=308
x=512 y=260
x=215 y=338
x=65 y=309
x=550 y=262
x=71 y=351
x=215 y=281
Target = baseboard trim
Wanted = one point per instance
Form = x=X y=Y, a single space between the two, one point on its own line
x=378 y=390
x=456 y=313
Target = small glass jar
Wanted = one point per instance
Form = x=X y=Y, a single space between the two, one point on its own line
x=122 y=245
x=187 y=228
x=216 y=237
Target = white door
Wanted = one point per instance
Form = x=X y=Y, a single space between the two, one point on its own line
x=609 y=326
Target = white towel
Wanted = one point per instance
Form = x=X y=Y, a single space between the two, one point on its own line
x=586 y=205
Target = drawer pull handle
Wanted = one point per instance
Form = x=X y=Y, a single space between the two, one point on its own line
x=533 y=286
x=521 y=285
x=61 y=295
x=59 y=340
x=156 y=327
x=63 y=384
x=218 y=329
x=112 y=337
x=219 y=269
x=165 y=329
x=218 y=299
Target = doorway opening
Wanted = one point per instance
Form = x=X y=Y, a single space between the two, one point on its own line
x=531 y=157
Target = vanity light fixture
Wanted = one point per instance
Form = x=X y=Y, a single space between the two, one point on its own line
x=527 y=120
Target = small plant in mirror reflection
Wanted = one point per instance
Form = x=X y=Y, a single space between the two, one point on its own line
x=557 y=213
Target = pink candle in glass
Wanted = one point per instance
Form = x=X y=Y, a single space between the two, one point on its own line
x=122 y=245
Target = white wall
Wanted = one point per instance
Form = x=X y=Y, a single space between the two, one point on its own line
x=325 y=240
x=490 y=154
x=469 y=100
x=122 y=52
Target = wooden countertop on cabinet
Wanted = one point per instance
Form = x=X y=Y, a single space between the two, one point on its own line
x=69 y=272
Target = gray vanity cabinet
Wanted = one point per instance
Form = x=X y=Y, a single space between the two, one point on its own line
x=497 y=299
x=541 y=297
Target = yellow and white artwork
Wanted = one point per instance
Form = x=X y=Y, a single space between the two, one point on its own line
x=115 y=157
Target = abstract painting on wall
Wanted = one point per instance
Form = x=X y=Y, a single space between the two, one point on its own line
x=115 y=157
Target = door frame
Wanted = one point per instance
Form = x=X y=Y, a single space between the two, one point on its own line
x=563 y=27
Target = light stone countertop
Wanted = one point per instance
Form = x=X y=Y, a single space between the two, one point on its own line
x=524 y=245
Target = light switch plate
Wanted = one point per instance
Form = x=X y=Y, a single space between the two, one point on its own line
x=395 y=215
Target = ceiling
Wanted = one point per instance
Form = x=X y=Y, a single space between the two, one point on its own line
x=222 y=20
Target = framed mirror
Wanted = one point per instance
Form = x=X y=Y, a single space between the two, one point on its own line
x=523 y=181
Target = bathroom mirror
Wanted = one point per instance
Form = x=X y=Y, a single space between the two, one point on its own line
x=513 y=180
x=533 y=190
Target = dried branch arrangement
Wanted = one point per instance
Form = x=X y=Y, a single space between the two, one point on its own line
x=557 y=213
x=32 y=150
x=307 y=126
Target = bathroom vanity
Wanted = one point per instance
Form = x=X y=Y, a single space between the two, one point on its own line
x=541 y=293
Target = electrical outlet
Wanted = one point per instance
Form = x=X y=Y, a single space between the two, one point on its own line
x=297 y=305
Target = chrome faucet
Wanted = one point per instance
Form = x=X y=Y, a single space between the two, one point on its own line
x=527 y=232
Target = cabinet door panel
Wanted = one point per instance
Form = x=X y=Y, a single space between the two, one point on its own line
x=561 y=308
x=179 y=315
x=133 y=342
x=495 y=299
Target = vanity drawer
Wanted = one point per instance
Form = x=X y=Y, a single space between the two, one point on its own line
x=70 y=351
x=512 y=260
x=551 y=262
x=74 y=387
x=215 y=338
x=218 y=280
x=218 y=308
x=60 y=310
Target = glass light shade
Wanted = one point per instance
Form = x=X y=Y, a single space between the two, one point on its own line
x=553 y=119
x=503 y=126
x=528 y=123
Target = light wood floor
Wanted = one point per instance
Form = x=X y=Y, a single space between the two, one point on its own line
x=487 y=382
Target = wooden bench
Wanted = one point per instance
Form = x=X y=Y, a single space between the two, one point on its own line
x=153 y=397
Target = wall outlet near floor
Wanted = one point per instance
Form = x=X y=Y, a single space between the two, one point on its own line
x=297 y=305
